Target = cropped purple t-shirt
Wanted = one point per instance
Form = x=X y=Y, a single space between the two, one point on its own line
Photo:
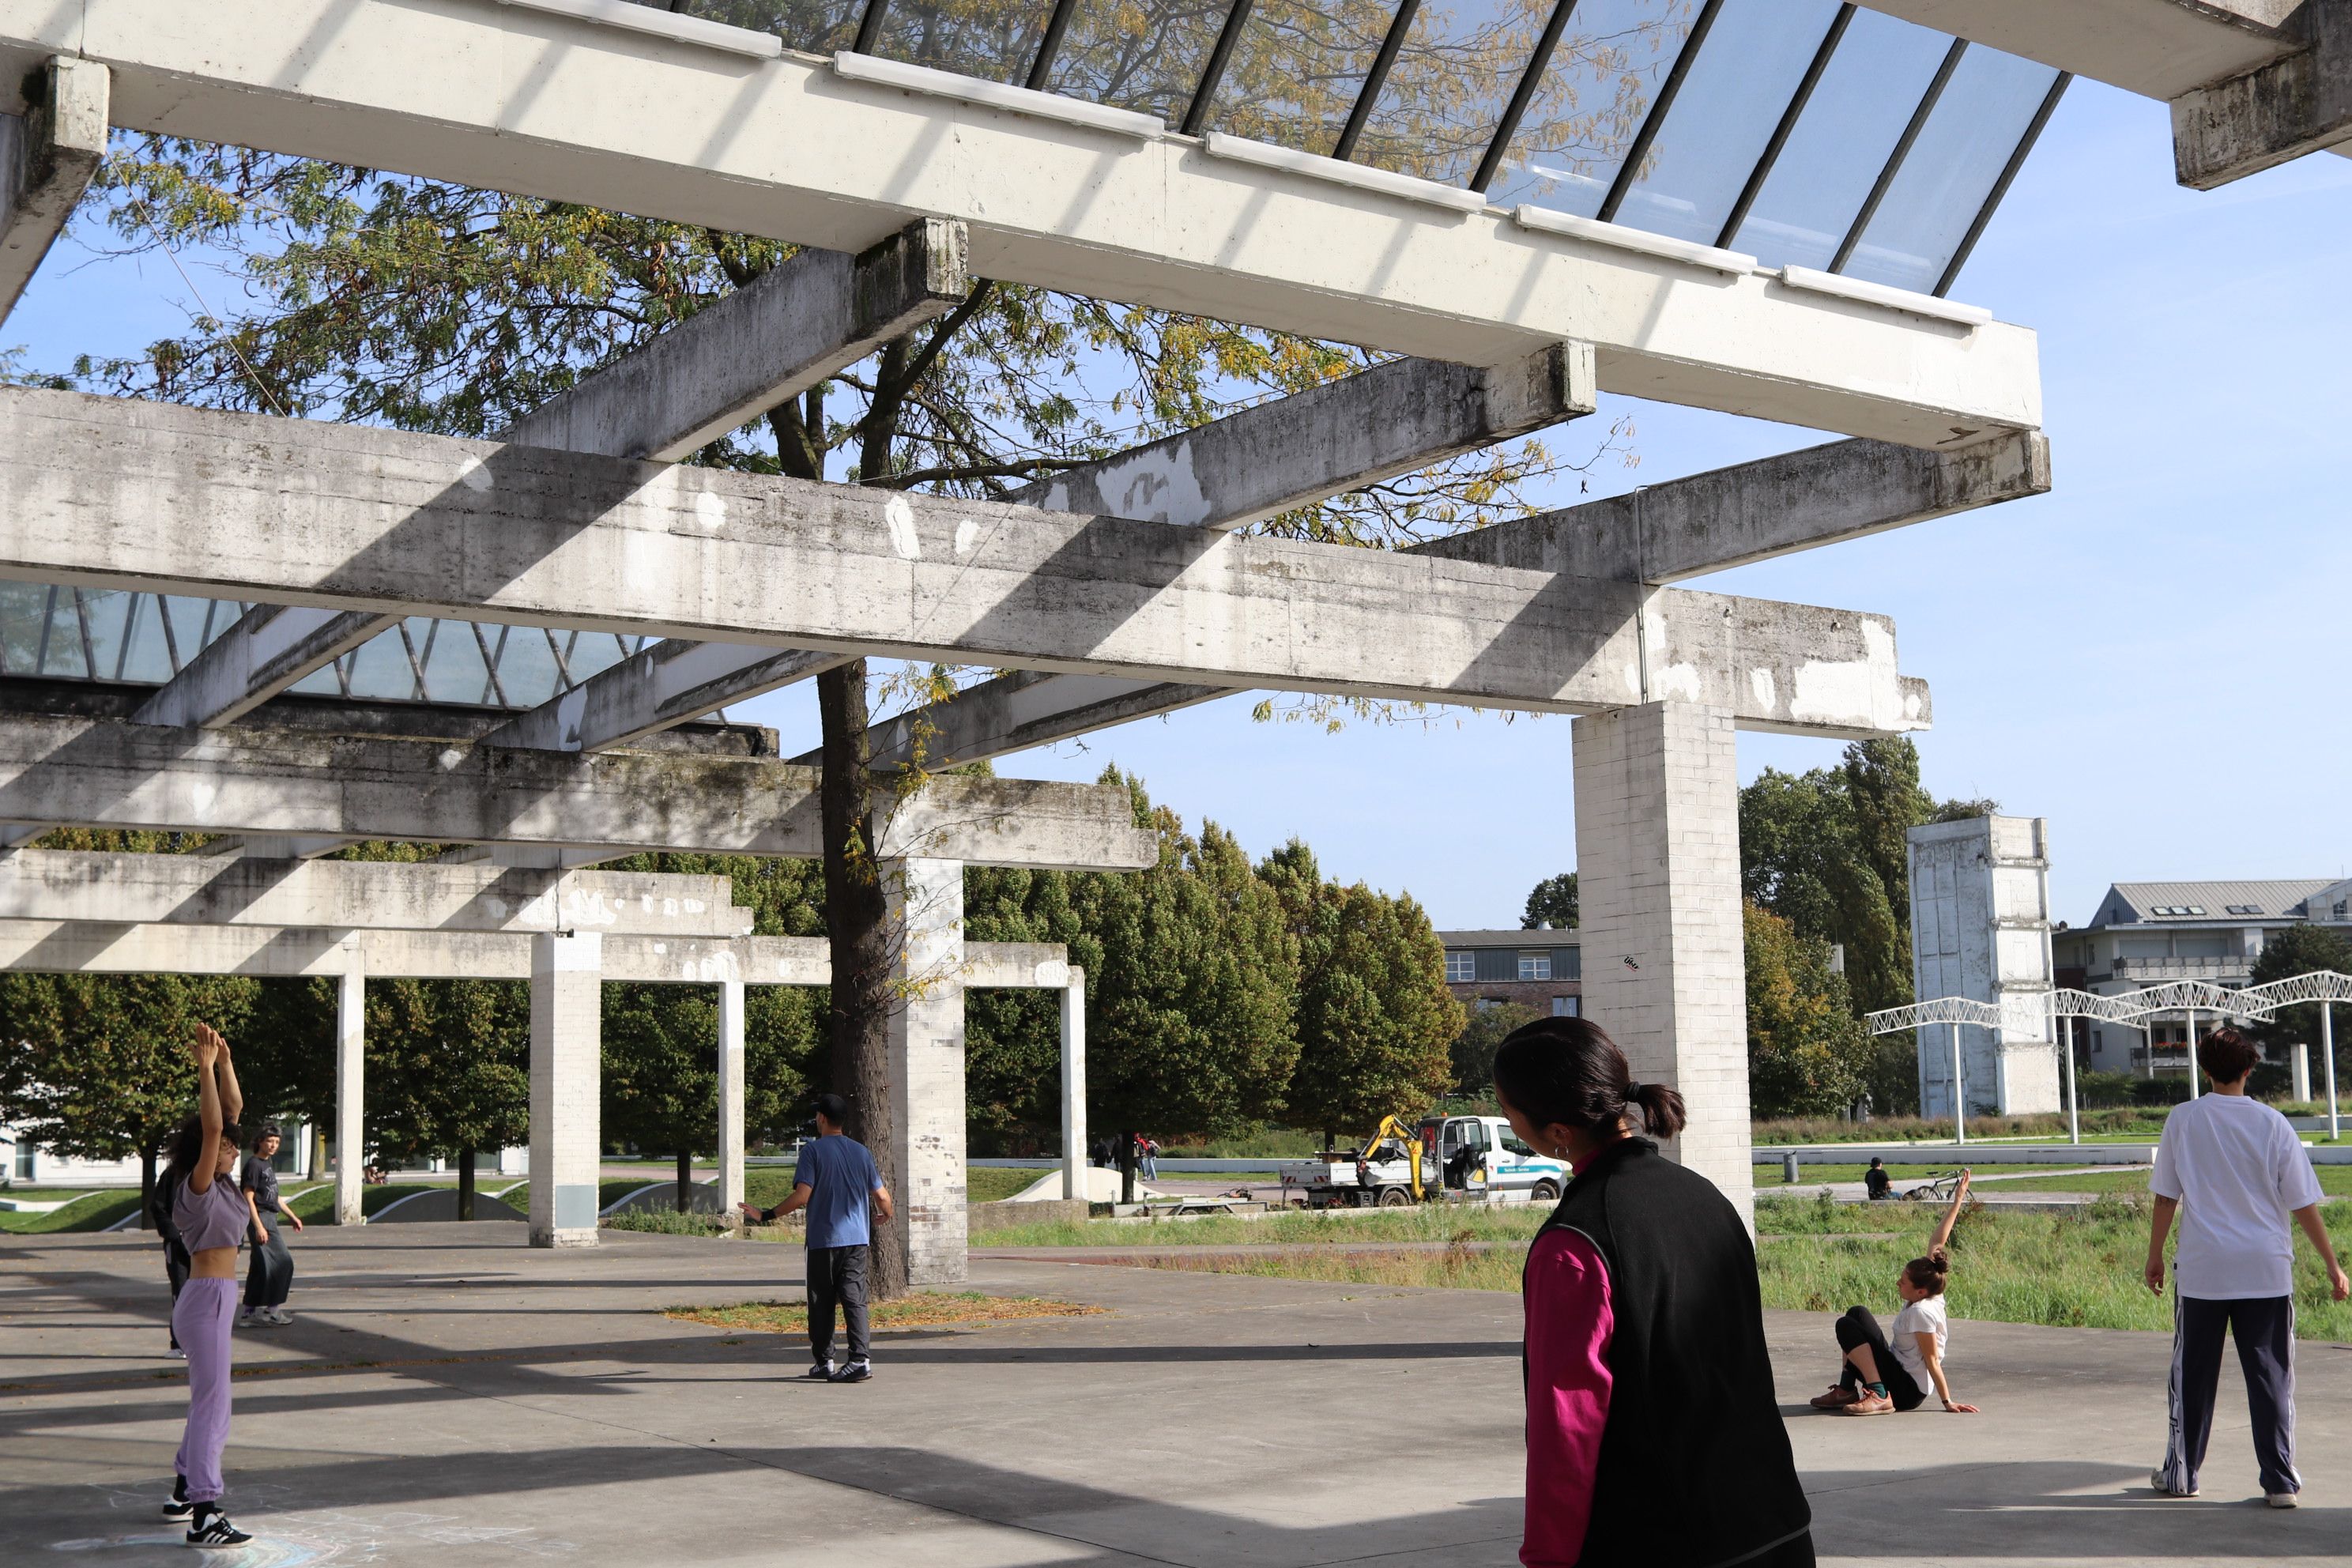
x=215 y=1218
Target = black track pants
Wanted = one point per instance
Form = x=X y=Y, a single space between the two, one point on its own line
x=2263 y=1327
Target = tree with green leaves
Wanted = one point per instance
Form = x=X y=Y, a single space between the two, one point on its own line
x=2300 y=950
x=448 y=1071
x=95 y=1067
x=1825 y=850
x=1484 y=1028
x=1551 y=902
x=1807 y=1053
x=1373 y=1017
x=661 y=1066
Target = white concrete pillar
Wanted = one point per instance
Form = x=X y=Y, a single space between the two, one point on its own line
x=350 y=1083
x=927 y=1088
x=1073 y=1087
x=731 y=1095
x=1657 y=852
x=566 y=1066
x=2303 y=1072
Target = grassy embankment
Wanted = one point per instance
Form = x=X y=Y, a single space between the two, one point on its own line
x=924 y=1309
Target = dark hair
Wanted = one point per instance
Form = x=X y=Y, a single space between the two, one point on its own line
x=2227 y=1056
x=187 y=1146
x=1929 y=1273
x=833 y=1108
x=1875 y=1162
x=1566 y=1070
x=268 y=1130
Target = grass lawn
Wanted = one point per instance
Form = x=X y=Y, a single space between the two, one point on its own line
x=927 y=1308
x=95 y=1212
x=2336 y=1181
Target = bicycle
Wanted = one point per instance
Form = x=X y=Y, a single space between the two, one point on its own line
x=1939 y=1189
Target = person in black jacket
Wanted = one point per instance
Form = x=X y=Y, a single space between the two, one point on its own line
x=1655 y=1434
x=176 y=1252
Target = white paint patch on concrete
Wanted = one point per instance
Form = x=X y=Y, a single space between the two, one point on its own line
x=202 y=793
x=966 y=539
x=1680 y=681
x=709 y=511
x=1859 y=691
x=900 y=517
x=1154 y=486
x=1760 y=683
x=1633 y=681
x=476 y=475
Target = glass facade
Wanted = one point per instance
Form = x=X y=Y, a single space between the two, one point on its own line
x=1802 y=132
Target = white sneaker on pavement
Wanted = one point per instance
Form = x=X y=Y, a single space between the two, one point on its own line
x=2281 y=1500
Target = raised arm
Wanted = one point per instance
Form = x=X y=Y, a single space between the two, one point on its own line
x=1951 y=1217
x=232 y=1097
x=206 y=1046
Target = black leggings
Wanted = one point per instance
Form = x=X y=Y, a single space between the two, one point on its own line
x=1859 y=1328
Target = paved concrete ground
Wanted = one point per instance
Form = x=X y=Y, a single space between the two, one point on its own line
x=449 y=1397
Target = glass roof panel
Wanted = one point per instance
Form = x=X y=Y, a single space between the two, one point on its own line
x=1140 y=55
x=1451 y=78
x=323 y=681
x=146 y=659
x=379 y=669
x=1950 y=170
x=1842 y=142
x=819 y=26
x=994 y=41
x=453 y=670
x=60 y=651
x=1740 y=86
x=527 y=672
x=1296 y=69
x=106 y=613
x=1582 y=120
x=591 y=653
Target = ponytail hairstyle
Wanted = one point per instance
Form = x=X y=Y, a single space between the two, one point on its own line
x=1929 y=1273
x=1566 y=1070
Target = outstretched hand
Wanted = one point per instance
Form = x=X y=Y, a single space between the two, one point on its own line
x=1957 y=1408
x=209 y=1046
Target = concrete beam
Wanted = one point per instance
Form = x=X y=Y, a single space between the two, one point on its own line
x=1663 y=534
x=520 y=100
x=268 y=649
x=48 y=155
x=58 y=773
x=812 y=317
x=665 y=685
x=97 y=947
x=1390 y=420
x=1753 y=511
x=1290 y=452
x=2274 y=112
x=2157 y=49
x=114 y=493
x=204 y=889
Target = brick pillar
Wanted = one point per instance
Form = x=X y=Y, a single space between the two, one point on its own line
x=1657 y=856
x=566 y=1066
x=927 y=1066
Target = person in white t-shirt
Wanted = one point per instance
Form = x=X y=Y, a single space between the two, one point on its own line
x=1879 y=1373
x=2234 y=1171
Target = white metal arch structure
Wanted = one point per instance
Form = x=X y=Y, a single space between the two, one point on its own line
x=1952 y=1012
x=2327 y=987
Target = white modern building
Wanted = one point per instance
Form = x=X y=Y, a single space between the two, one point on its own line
x=2146 y=933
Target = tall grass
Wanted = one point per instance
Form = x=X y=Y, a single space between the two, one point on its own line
x=2126 y=1120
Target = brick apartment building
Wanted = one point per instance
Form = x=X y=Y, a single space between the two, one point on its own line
x=1542 y=969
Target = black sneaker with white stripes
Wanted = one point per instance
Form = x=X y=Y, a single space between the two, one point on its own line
x=822 y=1372
x=213 y=1529
x=179 y=1507
x=855 y=1372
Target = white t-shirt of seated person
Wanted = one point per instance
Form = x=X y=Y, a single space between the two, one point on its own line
x=2238 y=1173
x=1925 y=1316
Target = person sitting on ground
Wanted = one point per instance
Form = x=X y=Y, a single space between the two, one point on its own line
x=2233 y=1170
x=1874 y=1180
x=1882 y=1374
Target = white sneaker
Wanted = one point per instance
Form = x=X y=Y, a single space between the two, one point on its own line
x=176 y=1354
x=2156 y=1480
x=250 y=1316
x=2281 y=1500
x=277 y=1315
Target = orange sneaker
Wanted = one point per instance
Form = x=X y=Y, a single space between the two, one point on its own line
x=1869 y=1404
x=1837 y=1397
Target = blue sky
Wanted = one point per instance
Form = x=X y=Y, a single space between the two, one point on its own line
x=2152 y=656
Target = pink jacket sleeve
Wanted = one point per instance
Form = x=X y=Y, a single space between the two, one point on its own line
x=1568 y=1333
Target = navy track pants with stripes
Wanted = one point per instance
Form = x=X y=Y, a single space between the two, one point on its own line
x=2263 y=1327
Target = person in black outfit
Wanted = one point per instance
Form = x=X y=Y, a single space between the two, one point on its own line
x=270 y=1276
x=1645 y=1267
x=1874 y=1180
x=175 y=1252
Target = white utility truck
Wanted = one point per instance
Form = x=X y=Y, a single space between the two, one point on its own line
x=1398 y=1165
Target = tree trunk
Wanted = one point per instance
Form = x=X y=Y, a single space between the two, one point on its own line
x=147 y=1187
x=1126 y=1167
x=857 y=933
x=465 y=1184
x=686 y=1180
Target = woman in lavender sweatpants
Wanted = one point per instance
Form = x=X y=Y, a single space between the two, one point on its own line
x=212 y=1216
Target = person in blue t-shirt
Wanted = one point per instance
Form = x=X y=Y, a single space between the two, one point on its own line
x=834 y=1180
